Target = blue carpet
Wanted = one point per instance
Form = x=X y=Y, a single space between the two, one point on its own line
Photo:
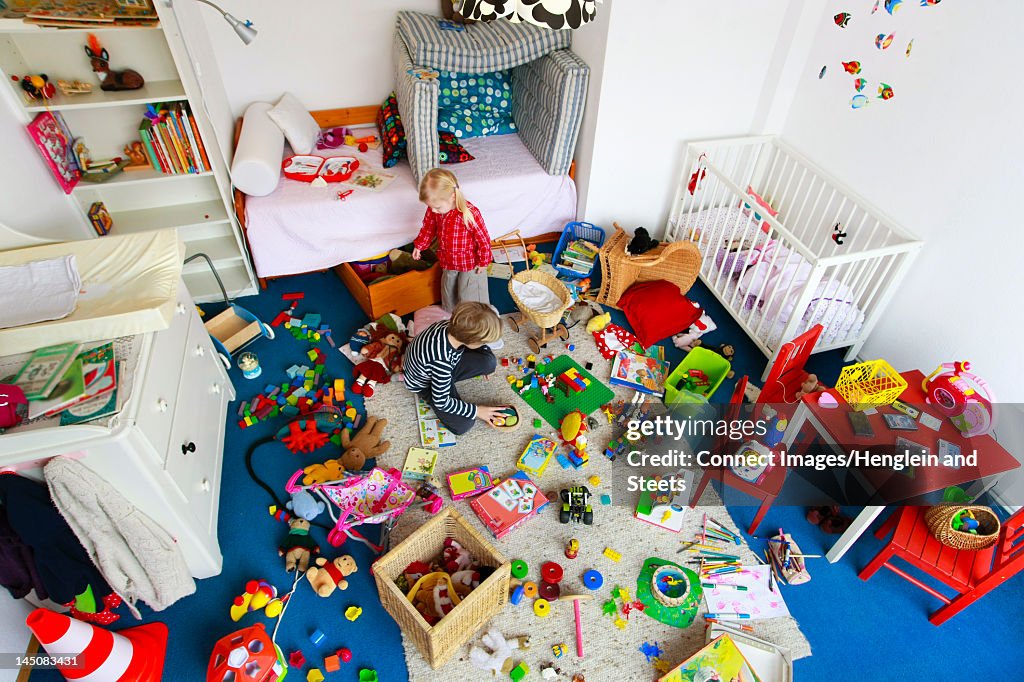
x=876 y=630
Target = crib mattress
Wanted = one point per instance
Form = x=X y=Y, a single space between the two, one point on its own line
x=300 y=228
x=129 y=286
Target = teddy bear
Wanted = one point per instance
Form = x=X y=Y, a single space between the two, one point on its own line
x=331 y=470
x=327 y=576
x=298 y=546
x=365 y=445
x=384 y=358
x=499 y=659
x=304 y=505
x=641 y=242
x=809 y=385
x=436 y=597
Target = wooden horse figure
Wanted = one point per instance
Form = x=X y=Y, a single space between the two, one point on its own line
x=110 y=80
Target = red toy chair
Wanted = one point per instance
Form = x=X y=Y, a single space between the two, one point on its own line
x=787 y=372
x=766 y=490
x=973 y=574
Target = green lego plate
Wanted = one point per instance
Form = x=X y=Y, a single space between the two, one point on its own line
x=587 y=401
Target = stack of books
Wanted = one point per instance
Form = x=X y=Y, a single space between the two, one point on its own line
x=172 y=141
x=579 y=256
x=79 y=385
x=90 y=13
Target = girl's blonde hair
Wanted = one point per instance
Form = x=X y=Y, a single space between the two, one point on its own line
x=439 y=183
x=474 y=322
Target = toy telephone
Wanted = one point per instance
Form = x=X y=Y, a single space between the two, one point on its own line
x=962 y=396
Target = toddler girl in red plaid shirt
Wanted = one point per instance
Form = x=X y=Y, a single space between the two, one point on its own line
x=463 y=243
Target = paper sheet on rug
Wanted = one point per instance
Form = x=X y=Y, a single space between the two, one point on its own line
x=757 y=600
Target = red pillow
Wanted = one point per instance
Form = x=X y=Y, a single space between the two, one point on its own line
x=656 y=311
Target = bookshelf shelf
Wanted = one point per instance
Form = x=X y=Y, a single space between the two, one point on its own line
x=177 y=216
x=151 y=92
x=138 y=178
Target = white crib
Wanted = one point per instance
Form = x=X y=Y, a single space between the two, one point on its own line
x=780 y=275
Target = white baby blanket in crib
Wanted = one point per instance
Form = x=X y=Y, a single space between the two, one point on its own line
x=38 y=291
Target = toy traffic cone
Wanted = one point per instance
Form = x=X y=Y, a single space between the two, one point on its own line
x=135 y=654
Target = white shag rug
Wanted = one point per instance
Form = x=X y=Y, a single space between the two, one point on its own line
x=610 y=654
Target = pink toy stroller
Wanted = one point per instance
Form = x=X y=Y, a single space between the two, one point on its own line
x=376 y=496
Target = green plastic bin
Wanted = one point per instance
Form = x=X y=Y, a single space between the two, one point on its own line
x=711 y=363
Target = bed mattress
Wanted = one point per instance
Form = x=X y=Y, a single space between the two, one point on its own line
x=129 y=286
x=300 y=228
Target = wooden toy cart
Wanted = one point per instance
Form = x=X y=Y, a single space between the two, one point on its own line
x=550 y=322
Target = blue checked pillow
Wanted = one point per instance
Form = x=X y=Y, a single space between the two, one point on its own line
x=475 y=104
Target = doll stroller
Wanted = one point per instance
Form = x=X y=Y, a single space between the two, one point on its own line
x=376 y=496
x=549 y=319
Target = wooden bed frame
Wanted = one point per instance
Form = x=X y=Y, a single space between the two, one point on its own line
x=351 y=116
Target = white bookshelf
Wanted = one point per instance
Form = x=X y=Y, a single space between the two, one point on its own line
x=197 y=205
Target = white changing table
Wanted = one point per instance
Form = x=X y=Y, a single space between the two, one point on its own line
x=164 y=450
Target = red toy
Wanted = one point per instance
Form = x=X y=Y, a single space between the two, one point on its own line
x=248 y=655
x=307 y=168
x=304 y=437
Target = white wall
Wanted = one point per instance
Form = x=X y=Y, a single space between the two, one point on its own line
x=328 y=54
x=674 y=70
x=32 y=202
x=942 y=158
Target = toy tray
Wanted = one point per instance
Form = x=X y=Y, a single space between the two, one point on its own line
x=573 y=231
x=307 y=168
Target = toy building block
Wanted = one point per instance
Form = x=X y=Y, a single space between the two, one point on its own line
x=317 y=637
x=314 y=675
x=293 y=296
x=339 y=389
x=519 y=672
x=559 y=650
x=353 y=612
x=368 y=675
x=296 y=659
x=612 y=554
x=344 y=654
x=606 y=499
x=332 y=664
x=537 y=423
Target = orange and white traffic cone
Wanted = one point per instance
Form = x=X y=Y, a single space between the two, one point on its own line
x=135 y=654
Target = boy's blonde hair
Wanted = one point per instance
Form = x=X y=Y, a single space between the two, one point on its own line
x=474 y=322
x=439 y=183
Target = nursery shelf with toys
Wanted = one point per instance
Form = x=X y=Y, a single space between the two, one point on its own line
x=131 y=93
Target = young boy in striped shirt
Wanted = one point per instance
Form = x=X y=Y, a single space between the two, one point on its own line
x=450 y=351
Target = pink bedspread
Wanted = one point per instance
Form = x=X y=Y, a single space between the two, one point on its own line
x=299 y=228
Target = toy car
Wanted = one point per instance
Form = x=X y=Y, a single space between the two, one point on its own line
x=576 y=505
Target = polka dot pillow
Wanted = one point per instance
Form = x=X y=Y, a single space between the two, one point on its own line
x=451 y=150
x=475 y=104
x=392 y=134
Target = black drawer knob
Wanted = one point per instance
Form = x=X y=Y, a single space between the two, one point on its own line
x=188 y=447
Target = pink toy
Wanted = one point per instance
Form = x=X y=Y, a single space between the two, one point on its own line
x=333 y=138
x=962 y=396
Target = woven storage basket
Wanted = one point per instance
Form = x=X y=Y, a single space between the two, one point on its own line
x=940 y=518
x=438 y=643
x=676 y=262
x=542 y=320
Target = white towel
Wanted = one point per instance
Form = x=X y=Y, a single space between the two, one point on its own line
x=537 y=297
x=38 y=291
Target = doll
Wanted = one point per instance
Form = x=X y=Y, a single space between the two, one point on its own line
x=383 y=358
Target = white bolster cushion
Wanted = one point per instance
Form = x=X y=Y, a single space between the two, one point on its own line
x=256 y=168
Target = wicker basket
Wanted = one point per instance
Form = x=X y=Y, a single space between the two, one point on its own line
x=870 y=384
x=542 y=320
x=438 y=643
x=676 y=262
x=940 y=518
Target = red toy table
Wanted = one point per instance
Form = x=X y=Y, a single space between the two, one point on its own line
x=834 y=426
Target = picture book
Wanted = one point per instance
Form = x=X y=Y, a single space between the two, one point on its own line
x=639 y=372
x=419 y=464
x=101 y=405
x=44 y=369
x=899 y=422
x=470 y=482
x=433 y=433
x=746 y=591
x=537 y=455
x=509 y=504
x=68 y=391
x=756 y=456
x=720 y=659
x=54 y=144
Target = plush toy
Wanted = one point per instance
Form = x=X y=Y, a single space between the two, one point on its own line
x=110 y=80
x=331 y=470
x=305 y=506
x=499 y=659
x=327 y=576
x=298 y=546
x=808 y=386
x=436 y=597
x=690 y=339
x=364 y=445
x=727 y=351
x=598 y=322
x=752 y=393
x=455 y=557
x=465 y=581
x=640 y=243
x=384 y=358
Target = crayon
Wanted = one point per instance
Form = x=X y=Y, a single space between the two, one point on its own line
x=741 y=588
x=727 y=615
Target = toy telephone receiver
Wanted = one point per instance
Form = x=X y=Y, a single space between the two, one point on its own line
x=962 y=396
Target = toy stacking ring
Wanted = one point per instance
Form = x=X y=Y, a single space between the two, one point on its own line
x=549 y=591
x=592 y=580
x=519 y=569
x=530 y=589
x=542 y=608
x=551 y=572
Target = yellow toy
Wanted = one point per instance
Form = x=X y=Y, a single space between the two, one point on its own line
x=331 y=470
x=598 y=322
